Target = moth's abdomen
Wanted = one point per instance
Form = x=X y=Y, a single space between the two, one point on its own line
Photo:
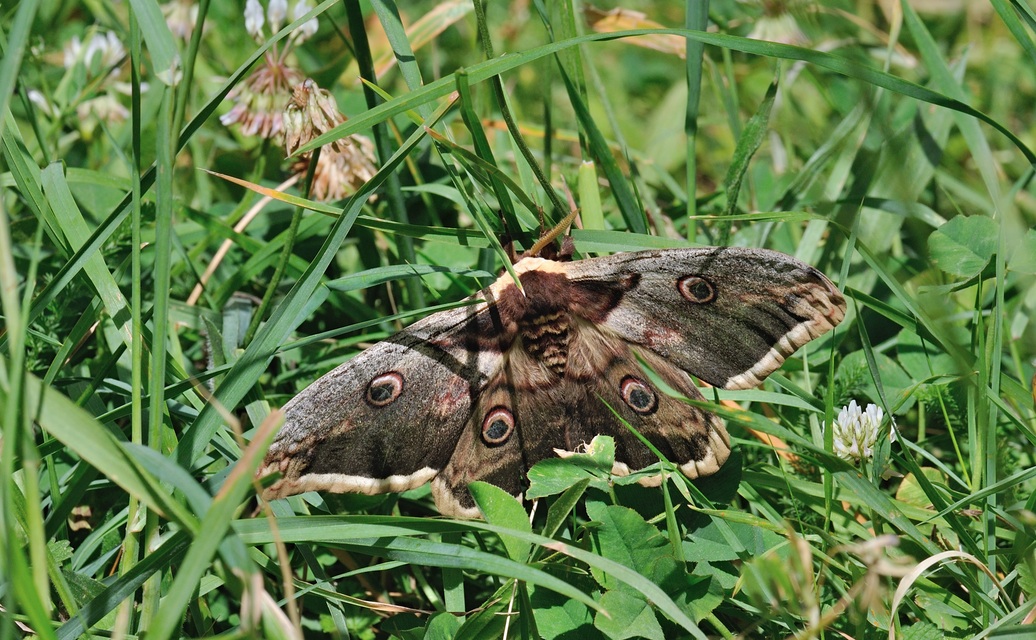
x=545 y=337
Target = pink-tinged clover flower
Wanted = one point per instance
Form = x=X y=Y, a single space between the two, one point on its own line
x=342 y=165
x=259 y=101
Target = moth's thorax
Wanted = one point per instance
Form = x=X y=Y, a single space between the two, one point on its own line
x=539 y=319
x=523 y=266
x=541 y=313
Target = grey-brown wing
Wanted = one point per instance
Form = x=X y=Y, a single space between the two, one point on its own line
x=525 y=416
x=388 y=419
x=729 y=316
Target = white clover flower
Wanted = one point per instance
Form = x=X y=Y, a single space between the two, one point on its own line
x=856 y=431
x=781 y=28
x=254 y=19
x=72 y=49
x=310 y=26
x=107 y=49
x=276 y=13
x=106 y=107
x=37 y=98
x=109 y=46
x=181 y=16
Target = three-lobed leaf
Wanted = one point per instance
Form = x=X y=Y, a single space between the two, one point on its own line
x=963 y=246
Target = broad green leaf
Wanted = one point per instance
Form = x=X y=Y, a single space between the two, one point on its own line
x=922 y=631
x=555 y=475
x=504 y=510
x=558 y=618
x=1023 y=259
x=87 y=590
x=442 y=626
x=405 y=626
x=706 y=590
x=964 y=245
x=628 y=617
x=708 y=543
x=910 y=491
x=940 y=609
x=621 y=534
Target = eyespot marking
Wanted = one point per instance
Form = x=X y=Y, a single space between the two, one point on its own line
x=384 y=389
x=638 y=395
x=696 y=289
x=497 y=426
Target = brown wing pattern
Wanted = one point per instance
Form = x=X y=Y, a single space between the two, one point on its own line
x=485 y=392
x=528 y=414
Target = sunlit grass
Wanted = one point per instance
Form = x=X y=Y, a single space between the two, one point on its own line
x=140 y=363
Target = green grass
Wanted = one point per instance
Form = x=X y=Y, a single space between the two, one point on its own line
x=894 y=152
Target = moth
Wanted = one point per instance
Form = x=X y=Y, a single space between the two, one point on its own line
x=485 y=391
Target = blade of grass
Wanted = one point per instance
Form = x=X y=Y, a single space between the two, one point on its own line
x=28 y=586
x=1015 y=26
x=82 y=434
x=696 y=17
x=159 y=39
x=253 y=362
x=484 y=152
x=26 y=174
x=486 y=42
x=13 y=50
x=832 y=62
x=390 y=20
x=211 y=532
x=75 y=230
x=751 y=139
x=631 y=210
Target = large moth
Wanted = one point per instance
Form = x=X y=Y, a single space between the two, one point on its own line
x=485 y=391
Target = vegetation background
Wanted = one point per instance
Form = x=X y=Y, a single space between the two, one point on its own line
x=154 y=312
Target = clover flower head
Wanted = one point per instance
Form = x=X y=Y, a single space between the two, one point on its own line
x=276 y=12
x=37 y=98
x=255 y=19
x=275 y=16
x=258 y=102
x=856 y=431
x=311 y=112
x=309 y=27
x=103 y=50
x=181 y=16
x=343 y=165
